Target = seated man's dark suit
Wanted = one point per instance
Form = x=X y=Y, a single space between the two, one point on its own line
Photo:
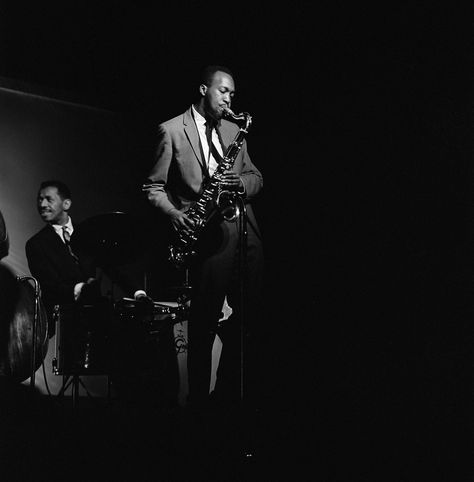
x=55 y=269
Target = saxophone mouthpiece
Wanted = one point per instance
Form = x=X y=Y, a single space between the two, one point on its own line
x=243 y=116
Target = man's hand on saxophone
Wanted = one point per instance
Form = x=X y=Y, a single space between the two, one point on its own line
x=180 y=221
x=231 y=181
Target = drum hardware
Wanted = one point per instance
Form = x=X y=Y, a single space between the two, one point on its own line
x=81 y=345
x=34 y=327
x=153 y=319
x=73 y=381
x=81 y=339
x=56 y=317
x=183 y=291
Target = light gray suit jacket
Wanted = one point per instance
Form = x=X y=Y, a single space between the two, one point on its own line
x=176 y=179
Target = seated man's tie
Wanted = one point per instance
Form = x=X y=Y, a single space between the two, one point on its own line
x=67 y=241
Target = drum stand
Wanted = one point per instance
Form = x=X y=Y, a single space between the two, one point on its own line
x=73 y=381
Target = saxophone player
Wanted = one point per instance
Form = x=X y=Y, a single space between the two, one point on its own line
x=189 y=149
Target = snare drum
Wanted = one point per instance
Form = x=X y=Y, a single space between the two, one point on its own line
x=152 y=319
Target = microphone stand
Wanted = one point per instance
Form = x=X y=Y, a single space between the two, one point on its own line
x=246 y=412
x=242 y=259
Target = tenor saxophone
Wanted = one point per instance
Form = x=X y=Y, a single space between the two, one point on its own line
x=212 y=199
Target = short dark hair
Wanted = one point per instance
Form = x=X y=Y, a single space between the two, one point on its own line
x=63 y=191
x=208 y=72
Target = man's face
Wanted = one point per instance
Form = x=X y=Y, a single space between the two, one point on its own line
x=51 y=207
x=218 y=95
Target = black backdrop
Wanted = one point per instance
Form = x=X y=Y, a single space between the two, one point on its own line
x=361 y=131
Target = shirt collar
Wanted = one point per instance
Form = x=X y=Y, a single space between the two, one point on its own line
x=198 y=118
x=59 y=228
x=201 y=120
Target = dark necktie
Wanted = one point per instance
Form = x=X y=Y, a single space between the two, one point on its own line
x=67 y=240
x=212 y=148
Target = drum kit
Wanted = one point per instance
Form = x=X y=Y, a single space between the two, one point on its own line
x=86 y=334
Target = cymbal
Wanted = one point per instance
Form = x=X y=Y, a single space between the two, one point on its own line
x=113 y=238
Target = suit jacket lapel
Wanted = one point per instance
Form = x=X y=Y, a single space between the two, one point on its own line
x=59 y=251
x=226 y=136
x=54 y=240
x=191 y=132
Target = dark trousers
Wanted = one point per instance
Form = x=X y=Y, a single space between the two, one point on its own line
x=217 y=273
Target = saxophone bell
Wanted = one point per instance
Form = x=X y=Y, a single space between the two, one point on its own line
x=228 y=206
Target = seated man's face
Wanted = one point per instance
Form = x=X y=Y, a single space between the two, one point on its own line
x=52 y=207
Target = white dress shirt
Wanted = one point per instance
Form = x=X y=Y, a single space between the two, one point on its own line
x=59 y=229
x=201 y=127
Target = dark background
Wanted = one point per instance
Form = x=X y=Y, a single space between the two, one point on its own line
x=361 y=130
